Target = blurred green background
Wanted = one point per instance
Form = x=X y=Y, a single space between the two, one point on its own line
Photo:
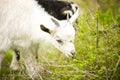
x=97 y=44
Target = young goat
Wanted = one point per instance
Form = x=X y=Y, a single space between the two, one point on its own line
x=24 y=24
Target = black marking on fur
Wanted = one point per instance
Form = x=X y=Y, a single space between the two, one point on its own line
x=56 y=8
x=43 y=28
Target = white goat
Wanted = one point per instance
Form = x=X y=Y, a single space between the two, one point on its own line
x=24 y=24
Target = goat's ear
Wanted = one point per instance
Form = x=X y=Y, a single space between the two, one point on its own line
x=55 y=21
x=43 y=28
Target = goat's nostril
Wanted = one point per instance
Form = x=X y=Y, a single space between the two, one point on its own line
x=72 y=52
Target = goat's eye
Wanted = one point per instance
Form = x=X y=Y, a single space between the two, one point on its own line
x=71 y=41
x=60 y=41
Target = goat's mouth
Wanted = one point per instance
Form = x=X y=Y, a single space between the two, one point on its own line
x=73 y=55
x=73 y=52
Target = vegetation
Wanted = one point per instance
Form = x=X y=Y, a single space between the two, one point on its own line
x=97 y=44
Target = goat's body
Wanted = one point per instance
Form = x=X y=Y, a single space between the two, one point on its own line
x=20 y=24
x=20 y=29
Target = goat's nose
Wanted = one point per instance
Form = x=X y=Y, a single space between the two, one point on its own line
x=73 y=52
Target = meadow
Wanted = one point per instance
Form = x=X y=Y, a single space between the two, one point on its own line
x=97 y=45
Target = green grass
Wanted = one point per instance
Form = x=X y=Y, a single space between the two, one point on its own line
x=97 y=44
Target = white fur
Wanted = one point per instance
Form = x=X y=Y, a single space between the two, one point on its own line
x=20 y=22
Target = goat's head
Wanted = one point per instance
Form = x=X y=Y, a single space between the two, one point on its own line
x=62 y=35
